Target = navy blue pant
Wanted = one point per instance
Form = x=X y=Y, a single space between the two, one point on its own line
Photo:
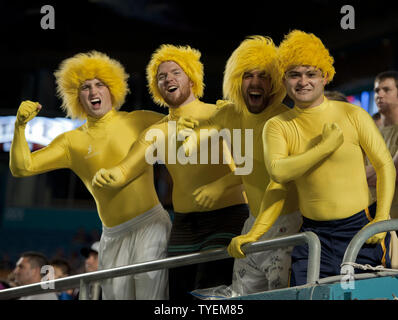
x=335 y=235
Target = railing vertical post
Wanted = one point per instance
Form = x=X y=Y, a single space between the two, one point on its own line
x=314 y=257
x=96 y=290
x=84 y=289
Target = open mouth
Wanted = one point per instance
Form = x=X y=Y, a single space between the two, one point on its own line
x=172 y=89
x=96 y=102
x=255 y=96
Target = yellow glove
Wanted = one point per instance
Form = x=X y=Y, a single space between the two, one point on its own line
x=26 y=112
x=332 y=136
x=206 y=196
x=377 y=238
x=109 y=178
x=273 y=201
x=223 y=103
x=185 y=125
x=234 y=248
x=185 y=129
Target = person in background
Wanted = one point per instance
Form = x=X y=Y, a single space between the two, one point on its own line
x=28 y=270
x=90 y=255
x=62 y=269
x=336 y=95
x=386 y=98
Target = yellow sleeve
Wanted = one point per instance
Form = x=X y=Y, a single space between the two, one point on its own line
x=135 y=162
x=271 y=207
x=375 y=148
x=24 y=163
x=228 y=181
x=204 y=129
x=284 y=168
x=219 y=120
x=147 y=118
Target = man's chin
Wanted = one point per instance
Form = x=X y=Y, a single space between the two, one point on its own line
x=175 y=102
x=257 y=108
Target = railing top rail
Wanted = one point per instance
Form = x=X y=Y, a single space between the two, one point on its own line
x=209 y=255
x=360 y=238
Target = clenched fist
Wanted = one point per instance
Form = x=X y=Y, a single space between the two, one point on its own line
x=332 y=136
x=185 y=126
x=27 y=111
x=206 y=196
x=109 y=178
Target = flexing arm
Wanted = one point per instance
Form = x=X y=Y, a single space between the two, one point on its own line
x=284 y=168
x=20 y=157
x=22 y=161
x=271 y=207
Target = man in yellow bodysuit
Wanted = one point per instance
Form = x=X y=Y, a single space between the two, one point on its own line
x=175 y=79
x=136 y=228
x=320 y=145
x=251 y=82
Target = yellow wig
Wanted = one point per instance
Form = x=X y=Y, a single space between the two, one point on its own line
x=86 y=66
x=186 y=57
x=254 y=53
x=300 y=48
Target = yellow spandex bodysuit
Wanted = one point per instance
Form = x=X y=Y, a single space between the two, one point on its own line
x=330 y=177
x=257 y=181
x=186 y=177
x=333 y=185
x=98 y=143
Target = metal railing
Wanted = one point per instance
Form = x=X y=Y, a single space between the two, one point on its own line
x=360 y=238
x=83 y=280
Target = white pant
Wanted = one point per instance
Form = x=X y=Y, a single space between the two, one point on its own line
x=266 y=270
x=143 y=238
